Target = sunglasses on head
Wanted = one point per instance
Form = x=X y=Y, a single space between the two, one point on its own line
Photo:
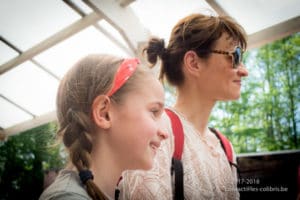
x=236 y=54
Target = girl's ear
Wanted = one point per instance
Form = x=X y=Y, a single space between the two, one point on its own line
x=100 y=111
x=191 y=62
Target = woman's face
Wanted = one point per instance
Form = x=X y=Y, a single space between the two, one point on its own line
x=136 y=131
x=219 y=80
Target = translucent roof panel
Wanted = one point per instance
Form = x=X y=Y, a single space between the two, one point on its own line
x=26 y=23
x=26 y=90
x=7 y=53
x=29 y=87
x=170 y=11
x=11 y=114
x=105 y=25
x=260 y=12
x=61 y=57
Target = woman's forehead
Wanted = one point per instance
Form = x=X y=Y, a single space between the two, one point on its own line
x=227 y=41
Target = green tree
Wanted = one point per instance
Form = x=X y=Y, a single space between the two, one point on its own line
x=266 y=117
x=23 y=160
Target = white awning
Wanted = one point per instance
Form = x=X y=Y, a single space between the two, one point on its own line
x=40 y=40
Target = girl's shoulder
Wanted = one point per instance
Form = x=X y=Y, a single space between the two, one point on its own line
x=67 y=185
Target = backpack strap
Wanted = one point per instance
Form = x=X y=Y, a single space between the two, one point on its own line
x=177 y=166
x=177 y=132
x=226 y=145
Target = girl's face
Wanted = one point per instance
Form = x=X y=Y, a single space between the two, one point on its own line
x=219 y=80
x=136 y=126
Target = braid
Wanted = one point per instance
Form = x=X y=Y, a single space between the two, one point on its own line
x=77 y=138
x=89 y=77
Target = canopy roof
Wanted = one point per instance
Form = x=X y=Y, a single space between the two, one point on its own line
x=40 y=40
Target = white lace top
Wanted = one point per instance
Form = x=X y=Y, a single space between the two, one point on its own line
x=207 y=173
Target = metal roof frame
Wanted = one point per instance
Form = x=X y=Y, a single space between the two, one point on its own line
x=111 y=12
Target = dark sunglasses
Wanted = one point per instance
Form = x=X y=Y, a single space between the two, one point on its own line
x=237 y=55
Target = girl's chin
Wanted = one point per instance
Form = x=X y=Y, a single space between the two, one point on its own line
x=147 y=165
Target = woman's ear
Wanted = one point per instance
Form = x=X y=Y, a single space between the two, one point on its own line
x=191 y=62
x=100 y=111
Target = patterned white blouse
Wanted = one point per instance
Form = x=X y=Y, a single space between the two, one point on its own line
x=207 y=173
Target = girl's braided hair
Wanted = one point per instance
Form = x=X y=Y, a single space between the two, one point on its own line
x=88 y=78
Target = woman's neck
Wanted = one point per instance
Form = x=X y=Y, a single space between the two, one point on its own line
x=195 y=108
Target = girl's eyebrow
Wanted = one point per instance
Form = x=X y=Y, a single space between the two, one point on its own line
x=159 y=103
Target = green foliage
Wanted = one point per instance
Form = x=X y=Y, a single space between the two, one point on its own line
x=23 y=160
x=266 y=117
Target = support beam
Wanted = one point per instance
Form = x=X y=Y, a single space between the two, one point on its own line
x=18 y=106
x=217 y=7
x=114 y=40
x=32 y=123
x=10 y=44
x=273 y=33
x=32 y=60
x=123 y=19
x=125 y=3
x=99 y=28
x=53 y=40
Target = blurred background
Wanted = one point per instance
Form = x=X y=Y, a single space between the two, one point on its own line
x=40 y=40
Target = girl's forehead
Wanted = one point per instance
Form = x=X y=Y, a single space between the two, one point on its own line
x=148 y=86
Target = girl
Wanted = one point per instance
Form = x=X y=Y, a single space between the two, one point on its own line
x=109 y=122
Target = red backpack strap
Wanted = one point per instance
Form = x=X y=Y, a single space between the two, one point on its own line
x=177 y=132
x=177 y=167
x=225 y=144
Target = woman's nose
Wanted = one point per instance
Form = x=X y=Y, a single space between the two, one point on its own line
x=242 y=70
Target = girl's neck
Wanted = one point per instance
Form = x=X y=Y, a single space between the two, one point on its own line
x=106 y=173
x=196 y=109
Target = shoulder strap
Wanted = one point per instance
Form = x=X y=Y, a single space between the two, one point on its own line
x=225 y=144
x=177 y=132
x=177 y=166
x=179 y=137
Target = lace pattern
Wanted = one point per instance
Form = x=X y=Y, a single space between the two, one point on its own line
x=207 y=174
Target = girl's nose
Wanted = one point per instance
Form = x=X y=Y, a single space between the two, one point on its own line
x=162 y=134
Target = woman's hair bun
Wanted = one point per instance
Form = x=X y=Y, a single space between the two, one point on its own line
x=155 y=48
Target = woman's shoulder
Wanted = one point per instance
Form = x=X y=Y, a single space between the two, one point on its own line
x=67 y=185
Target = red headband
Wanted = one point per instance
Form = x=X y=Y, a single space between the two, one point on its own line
x=126 y=69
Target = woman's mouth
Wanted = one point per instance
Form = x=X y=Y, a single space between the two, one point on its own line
x=239 y=82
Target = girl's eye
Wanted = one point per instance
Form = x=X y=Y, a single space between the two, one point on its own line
x=155 y=112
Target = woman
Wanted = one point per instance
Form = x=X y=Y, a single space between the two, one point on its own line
x=203 y=61
x=109 y=122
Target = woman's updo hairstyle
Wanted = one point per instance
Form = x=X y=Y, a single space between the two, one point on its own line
x=196 y=32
